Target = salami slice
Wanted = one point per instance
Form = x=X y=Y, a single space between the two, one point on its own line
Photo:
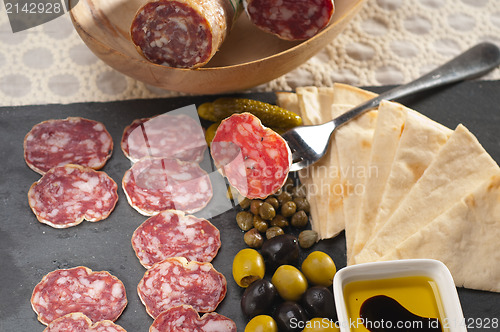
x=175 y=281
x=186 y=319
x=98 y=295
x=67 y=141
x=67 y=195
x=164 y=136
x=174 y=234
x=290 y=19
x=156 y=184
x=78 y=322
x=182 y=33
x=255 y=159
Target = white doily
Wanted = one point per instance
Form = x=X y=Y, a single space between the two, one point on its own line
x=389 y=42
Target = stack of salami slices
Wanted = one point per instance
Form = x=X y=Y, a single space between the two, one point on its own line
x=403 y=186
x=166 y=183
x=67 y=153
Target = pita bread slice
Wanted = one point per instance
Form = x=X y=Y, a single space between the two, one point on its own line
x=354 y=143
x=465 y=238
x=460 y=164
x=390 y=124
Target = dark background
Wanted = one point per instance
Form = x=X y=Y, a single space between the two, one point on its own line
x=29 y=250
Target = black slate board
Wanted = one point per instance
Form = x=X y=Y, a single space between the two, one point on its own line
x=29 y=250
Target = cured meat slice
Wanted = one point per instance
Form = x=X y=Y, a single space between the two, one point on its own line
x=67 y=141
x=164 y=136
x=255 y=159
x=156 y=184
x=67 y=195
x=78 y=322
x=174 y=234
x=175 y=281
x=185 y=319
x=98 y=295
x=182 y=33
x=290 y=19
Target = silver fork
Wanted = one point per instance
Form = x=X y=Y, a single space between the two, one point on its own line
x=309 y=143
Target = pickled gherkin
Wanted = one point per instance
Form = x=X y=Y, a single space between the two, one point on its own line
x=270 y=115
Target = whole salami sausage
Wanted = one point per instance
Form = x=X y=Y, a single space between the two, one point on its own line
x=175 y=281
x=183 y=33
x=78 y=322
x=98 y=295
x=67 y=141
x=184 y=318
x=255 y=159
x=67 y=195
x=156 y=184
x=290 y=19
x=174 y=234
x=164 y=136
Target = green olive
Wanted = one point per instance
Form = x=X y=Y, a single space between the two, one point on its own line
x=284 y=197
x=261 y=323
x=308 y=238
x=244 y=220
x=267 y=211
x=302 y=204
x=253 y=238
x=299 y=219
x=279 y=221
x=248 y=266
x=273 y=201
x=289 y=282
x=288 y=209
x=245 y=203
x=319 y=268
x=274 y=231
x=260 y=224
x=255 y=205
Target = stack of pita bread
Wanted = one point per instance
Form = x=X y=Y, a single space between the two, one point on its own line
x=403 y=186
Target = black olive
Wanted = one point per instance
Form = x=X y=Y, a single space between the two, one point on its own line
x=280 y=250
x=258 y=298
x=290 y=317
x=318 y=302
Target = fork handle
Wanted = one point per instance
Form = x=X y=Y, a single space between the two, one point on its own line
x=473 y=63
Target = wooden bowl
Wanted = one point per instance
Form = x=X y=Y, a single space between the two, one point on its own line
x=248 y=57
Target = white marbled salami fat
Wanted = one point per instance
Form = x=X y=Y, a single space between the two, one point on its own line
x=78 y=322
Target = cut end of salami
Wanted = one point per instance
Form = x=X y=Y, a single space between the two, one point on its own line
x=290 y=19
x=185 y=318
x=67 y=141
x=78 y=322
x=255 y=159
x=156 y=184
x=67 y=195
x=98 y=295
x=174 y=234
x=165 y=136
x=175 y=281
x=180 y=33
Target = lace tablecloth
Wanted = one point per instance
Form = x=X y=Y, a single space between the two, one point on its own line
x=389 y=42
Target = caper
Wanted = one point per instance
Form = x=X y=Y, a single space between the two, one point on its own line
x=273 y=201
x=302 y=204
x=255 y=205
x=245 y=203
x=260 y=224
x=307 y=238
x=244 y=220
x=274 y=231
x=267 y=211
x=284 y=197
x=299 y=191
x=279 y=221
x=289 y=185
x=253 y=239
x=299 y=219
x=288 y=209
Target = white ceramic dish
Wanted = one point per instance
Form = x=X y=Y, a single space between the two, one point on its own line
x=452 y=310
